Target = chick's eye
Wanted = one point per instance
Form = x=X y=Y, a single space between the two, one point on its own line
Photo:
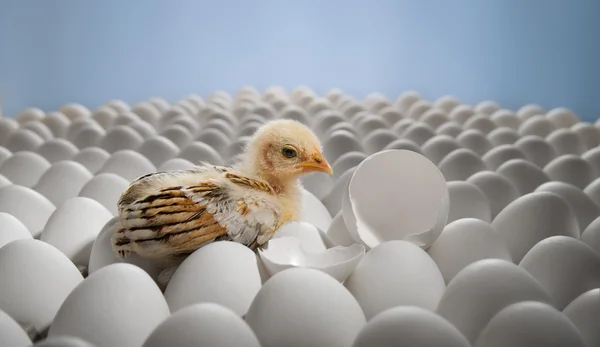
x=288 y=152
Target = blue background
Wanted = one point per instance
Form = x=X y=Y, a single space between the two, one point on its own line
x=512 y=51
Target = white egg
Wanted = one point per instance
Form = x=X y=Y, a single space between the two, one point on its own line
x=527 y=324
x=591 y=235
x=205 y=324
x=120 y=138
x=36 y=279
x=57 y=149
x=438 y=147
x=499 y=155
x=464 y=242
x=196 y=152
x=24 y=168
x=314 y=212
x=11 y=333
x=584 y=312
x=498 y=189
x=307 y=233
x=396 y=273
x=536 y=149
x=585 y=209
x=222 y=272
x=474 y=140
x=532 y=218
x=565 y=267
x=12 y=229
x=396 y=195
x=570 y=168
x=106 y=189
x=525 y=176
x=128 y=164
x=461 y=164
x=74 y=226
x=21 y=202
x=62 y=181
x=294 y=308
x=119 y=305
x=409 y=326
x=93 y=158
x=64 y=341
x=467 y=201
x=482 y=289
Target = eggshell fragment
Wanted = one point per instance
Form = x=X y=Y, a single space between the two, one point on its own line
x=20 y=202
x=74 y=226
x=411 y=183
x=119 y=305
x=205 y=324
x=222 y=272
x=467 y=201
x=583 y=312
x=36 y=279
x=338 y=233
x=482 y=289
x=307 y=234
x=464 y=242
x=396 y=273
x=409 y=326
x=532 y=218
x=288 y=251
x=11 y=333
x=565 y=266
x=291 y=307
x=314 y=212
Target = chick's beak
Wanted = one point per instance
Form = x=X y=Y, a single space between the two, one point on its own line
x=317 y=163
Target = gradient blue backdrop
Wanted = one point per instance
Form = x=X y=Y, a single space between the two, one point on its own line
x=511 y=51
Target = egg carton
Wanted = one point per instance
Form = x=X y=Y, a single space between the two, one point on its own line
x=444 y=224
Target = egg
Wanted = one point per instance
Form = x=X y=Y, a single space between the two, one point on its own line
x=591 y=235
x=467 y=201
x=93 y=158
x=409 y=326
x=438 y=147
x=36 y=279
x=537 y=150
x=118 y=305
x=63 y=341
x=460 y=164
x=128 y=164
x=62 y=181
x=294 y=308
x=24 y=168
x=11 y=333
x=474 y=140
x=338 y=233
x=105 y=188
x=570 y=168
x=498 y=189
x=21 y=201
x=565 y=267
x=74 y=226
x=583 y=313
x=206 y=324
x=532 y=218
x=396 y=273
x=409 y=182
x=12 y=229
x=482 y=289
x=57 y=149
x=464 y=242
x=197 y=152
x=525 y=176
x=585 y=209
x=222 y=272
x=499 y=155
x=527 y=324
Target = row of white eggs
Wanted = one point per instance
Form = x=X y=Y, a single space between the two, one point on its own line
x=418 y=216
x=447 y=252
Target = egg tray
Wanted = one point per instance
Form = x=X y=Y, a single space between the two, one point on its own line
x=444 y=224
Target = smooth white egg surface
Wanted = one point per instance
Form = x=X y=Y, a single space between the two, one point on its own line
x=445 y=223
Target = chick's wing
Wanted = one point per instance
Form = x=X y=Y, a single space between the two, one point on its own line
x=162 y=217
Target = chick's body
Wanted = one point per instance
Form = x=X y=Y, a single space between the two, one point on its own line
x=166 y=215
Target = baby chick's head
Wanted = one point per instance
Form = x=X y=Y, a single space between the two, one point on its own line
x=285 y=149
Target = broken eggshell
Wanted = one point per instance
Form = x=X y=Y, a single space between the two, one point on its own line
x=288 y=252
x=396 y=195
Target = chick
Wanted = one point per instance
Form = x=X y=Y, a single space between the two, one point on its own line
x=168 y=215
